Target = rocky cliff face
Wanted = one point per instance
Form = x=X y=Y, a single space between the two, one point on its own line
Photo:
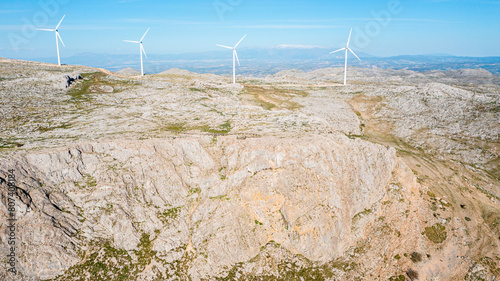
x=255 y=183
x=221 y=200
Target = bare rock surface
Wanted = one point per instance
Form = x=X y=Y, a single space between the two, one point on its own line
x=177 y=71
x=462 y=76
x=128 y=72
x=180 y=176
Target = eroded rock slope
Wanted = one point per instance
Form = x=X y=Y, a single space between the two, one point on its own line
x=180 y=177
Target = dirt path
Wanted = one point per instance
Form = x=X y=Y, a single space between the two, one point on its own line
x=105 y=71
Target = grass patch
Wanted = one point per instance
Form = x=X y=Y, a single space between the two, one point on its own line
x=397 y=278
x=291 y=267
x=194 y=190
x=81 y=91
x=169 y=215
x=91 y=182
x=222 y=129
x=492 y=219
x=360 y=215
x=109 y=208
x=7 y=145
x=145 y=254
x=177 y=127
x=88 y=182
x=198 y=90
x=220 y=197
x=275 y=98
x=104 y=263
x=436 y=233
x=445 y=203
x=49 y=128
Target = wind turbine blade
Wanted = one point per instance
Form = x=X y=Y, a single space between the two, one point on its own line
x=60 y=22
x=237 y=59
x=59 y=36
x=349 y=40
x=224 y=46
x=144 y=35
x=354 y=54
x=337 y=50
x=131 y=41
x=240 y=41
x=45 y=29
x=143 y=51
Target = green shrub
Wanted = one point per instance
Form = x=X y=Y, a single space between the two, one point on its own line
x=412 y=274
x=436 y=233
x=415 y=257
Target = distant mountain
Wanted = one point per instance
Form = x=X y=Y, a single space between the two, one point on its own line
x=438 y=55
x=265 y=61
x=424 y=63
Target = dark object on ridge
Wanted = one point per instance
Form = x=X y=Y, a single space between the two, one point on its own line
x=70 y=80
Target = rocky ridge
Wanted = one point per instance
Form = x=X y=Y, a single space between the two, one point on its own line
x=181 y=176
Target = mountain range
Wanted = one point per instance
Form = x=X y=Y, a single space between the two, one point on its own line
x=267 y=61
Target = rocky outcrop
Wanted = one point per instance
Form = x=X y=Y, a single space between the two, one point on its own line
x=128 y=72
x=219 y=201
x=177 y=71
x=177 y=177
x=461 y=76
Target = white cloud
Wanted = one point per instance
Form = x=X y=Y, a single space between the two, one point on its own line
x=288 y=46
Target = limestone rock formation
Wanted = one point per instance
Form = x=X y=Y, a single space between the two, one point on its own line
x=128 y=72
x=287 y=177
x=177 y=71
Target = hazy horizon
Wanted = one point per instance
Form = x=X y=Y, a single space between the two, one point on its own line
x=382 y=29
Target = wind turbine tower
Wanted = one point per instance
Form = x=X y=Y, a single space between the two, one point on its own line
x=141 y=50
x=346 y=48
x=235 y=57
x=58 y=37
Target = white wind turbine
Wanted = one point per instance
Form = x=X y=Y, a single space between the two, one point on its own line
x=235 y=56
x=58 y=37
x=346 y=48
x=141 y=50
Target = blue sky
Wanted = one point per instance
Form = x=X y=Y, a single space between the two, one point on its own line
x=458 y=27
